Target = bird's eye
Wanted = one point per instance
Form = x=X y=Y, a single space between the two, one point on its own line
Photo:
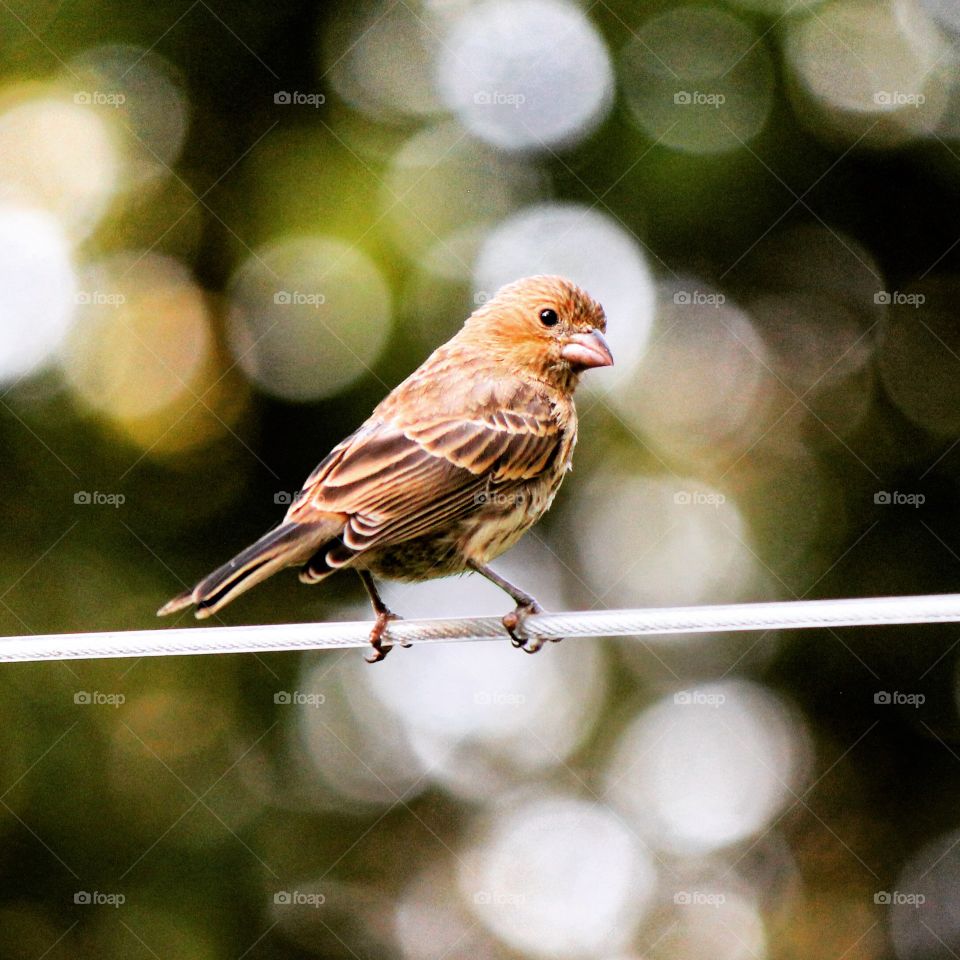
x=549 y=318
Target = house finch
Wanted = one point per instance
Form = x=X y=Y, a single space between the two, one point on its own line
x=451 y=468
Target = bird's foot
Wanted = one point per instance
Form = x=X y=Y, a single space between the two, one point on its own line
x=376 y=637
x=513 y=624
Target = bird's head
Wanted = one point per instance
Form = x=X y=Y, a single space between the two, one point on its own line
x=546 y=326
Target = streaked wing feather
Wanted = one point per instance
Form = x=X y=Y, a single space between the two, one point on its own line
x=397 y=481
x=331 y=460
x=407 y=525
x=517 y=448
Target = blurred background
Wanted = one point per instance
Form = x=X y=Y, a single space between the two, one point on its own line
x=226 y=230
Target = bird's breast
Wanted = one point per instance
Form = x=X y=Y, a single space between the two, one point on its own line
x=505 y=515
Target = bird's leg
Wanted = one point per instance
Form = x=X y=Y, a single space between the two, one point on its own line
x=384 y=616
x=513 y=621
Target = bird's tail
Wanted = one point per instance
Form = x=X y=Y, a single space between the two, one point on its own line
x=284 y=546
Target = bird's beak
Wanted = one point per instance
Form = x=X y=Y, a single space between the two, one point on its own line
x=585 y=350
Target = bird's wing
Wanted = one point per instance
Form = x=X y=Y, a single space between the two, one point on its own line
x=395 y=480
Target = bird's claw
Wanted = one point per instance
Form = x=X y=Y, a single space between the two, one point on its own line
x=376 y=637
x=513 y=624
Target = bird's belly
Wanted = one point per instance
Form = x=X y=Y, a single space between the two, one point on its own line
x=423 y=558
x=492 y=532
x=482 y=536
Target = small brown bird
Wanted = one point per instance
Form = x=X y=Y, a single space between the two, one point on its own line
x=451 y=468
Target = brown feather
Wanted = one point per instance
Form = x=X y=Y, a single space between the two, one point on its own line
x=452 y=466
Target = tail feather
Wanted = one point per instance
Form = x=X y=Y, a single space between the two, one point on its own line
x=284 y=546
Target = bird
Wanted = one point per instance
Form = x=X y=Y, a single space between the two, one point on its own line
x=452 y=467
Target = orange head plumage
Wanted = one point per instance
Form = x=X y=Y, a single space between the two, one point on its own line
x=544 y=325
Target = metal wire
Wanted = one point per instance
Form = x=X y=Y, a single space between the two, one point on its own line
x=786 y=615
